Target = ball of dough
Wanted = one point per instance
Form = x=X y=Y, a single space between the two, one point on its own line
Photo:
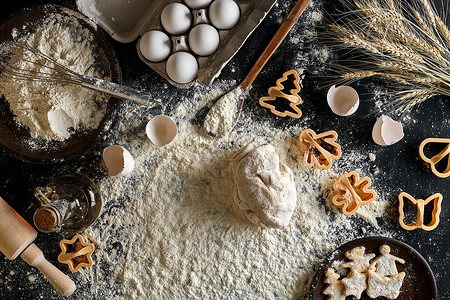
x=203 y=40
x=176 y=18
x=224 y=14
x=182 y=67
x=196 y=4
x=155 y=45
x=264 y=186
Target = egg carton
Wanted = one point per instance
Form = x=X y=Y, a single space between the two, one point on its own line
x=126 y=20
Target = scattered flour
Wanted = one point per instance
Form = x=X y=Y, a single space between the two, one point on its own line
x=222 y=117
x=178 y=234
x=51 y=110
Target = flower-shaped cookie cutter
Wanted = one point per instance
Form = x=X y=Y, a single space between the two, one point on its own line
x=420 y=204
x=76 y=253
x=350 y=192
x=433 y=161
x=277 y=92
x=319 y=149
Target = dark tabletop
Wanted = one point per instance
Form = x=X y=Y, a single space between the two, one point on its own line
x=399 y=164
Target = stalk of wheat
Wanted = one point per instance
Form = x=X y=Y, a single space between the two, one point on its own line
x=405 y=42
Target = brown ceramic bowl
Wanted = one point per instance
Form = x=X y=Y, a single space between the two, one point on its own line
x=17 y=140
x=419 y=282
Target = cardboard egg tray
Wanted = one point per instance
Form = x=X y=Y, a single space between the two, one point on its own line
x=126 y=20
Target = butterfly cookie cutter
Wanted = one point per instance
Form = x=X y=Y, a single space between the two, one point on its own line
x=350 y=192
x=433 y=161
x=420 y=204
x=76 y=253
x=277 y=92
x=319 y=149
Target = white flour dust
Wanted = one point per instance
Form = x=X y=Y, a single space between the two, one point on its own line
x=53 y=111
x=181 y=235
x=171 y=230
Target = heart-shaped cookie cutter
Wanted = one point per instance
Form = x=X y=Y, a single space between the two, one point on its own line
x=433 y=161
x=420 y=204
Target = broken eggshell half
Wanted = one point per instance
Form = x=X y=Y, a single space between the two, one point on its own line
x=343 y=100
x=387 y=131
x=161 y=130
x=118 y=160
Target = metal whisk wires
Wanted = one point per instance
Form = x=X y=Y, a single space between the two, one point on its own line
x=21 y=61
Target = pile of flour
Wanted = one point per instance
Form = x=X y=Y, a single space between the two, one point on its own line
x=52 y=111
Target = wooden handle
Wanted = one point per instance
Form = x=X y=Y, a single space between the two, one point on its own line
x=34 y=257
x=275 y=42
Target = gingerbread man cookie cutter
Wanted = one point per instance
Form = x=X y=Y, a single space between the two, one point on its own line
x=277 y=92
x=350 y=192
x=320 y=149
x=420 y=204
x=76 y=253
x=433 y=161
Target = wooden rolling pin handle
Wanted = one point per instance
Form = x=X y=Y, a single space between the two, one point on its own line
x=277 y=39
x=34 y=257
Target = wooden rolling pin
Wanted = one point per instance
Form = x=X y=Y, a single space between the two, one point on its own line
x=16 y=238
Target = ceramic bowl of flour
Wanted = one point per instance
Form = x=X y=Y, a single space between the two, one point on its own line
x=52 y=131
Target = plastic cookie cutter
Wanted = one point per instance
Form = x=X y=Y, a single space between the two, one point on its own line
x=433 y=161
x=272 y=101
x=319 y=149
x=76 y=253
x=420 y=204
x=350 y=192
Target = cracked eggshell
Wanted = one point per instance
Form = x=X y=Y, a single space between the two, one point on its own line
x=118 y=160
x=343 y=100
x=386 y=131
x=161 y=130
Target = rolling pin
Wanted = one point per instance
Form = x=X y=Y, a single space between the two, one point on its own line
x=16 y=238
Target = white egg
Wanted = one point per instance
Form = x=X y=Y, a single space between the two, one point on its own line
x=386 y=131
x=203 y=40
x=161 y=130
x=343 y=100
x=196 y=4
x=118 y=160
x=176 y=18
x=155 y=45
x=182 y=67
x=224 y=14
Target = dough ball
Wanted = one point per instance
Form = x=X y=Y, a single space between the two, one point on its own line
x=264 y=186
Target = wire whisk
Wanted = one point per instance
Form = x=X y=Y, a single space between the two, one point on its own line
x=45 y=69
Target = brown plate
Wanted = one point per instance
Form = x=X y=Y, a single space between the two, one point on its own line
x=419 y=283
x=16 y=139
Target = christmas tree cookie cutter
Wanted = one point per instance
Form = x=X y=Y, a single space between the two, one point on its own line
x=433 y=161
x=350 y=192
x=319 y=149
x=76 y=253
x=420 y=204
x=276 y=92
